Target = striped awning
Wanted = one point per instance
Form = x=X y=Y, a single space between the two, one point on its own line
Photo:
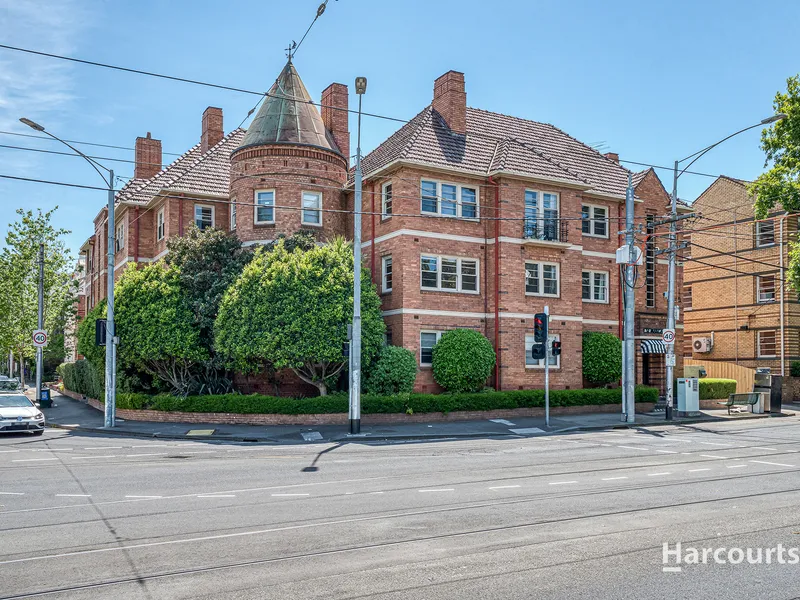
x=653 y=347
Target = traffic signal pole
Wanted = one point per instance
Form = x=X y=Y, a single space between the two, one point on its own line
x=547 y=367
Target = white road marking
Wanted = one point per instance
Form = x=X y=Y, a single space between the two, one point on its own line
x=372 y=493
x=667 y=451
x=73 y=495
x=9 y=450
x=32 y=459
x=697 y=470
x=311 y=436
x=714 y=444
x=153 y=497
x=736 y=466
x=657 y=474
x=765 y=448
x=763 y=462
x=526 y=430
x=103 y=448
x=216 y=495
x=561 y=482
x=613 y=478
x=713 y=456
x=632 y=448
x=437 y=490
x=12 y=493
x=94 y=457
x=148 y=454
x=503 y=487
x=502 y=422
x=286 y=495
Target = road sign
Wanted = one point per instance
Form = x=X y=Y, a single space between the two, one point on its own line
x=670 y=360
x=40 y=338
x=668 y=335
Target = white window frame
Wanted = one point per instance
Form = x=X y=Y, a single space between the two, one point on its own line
x=536 y=213
x=774 y=298
x=592 y=273
x=384 y=287
x=554 y=337
x=438 y=337
x=303 y=208
x=758 y=344
x=759 y=224
x=459 y=274
x=160 y=226
x=541 y=279
x=387 y=214
x=256 y=206
x=232 y=215
x=213 y=215
x=119 y=237
x=593 y=220
x=459 y=204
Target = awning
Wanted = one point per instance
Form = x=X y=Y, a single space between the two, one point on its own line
x=653 y=347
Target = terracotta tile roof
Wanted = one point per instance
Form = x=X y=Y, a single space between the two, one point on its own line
x=192 y=172
x=500 y=142
x=637 y=178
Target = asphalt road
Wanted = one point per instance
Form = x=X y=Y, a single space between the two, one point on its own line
x=570 y=516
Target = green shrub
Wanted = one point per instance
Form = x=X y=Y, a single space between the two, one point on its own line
x=602 y=357
x=83 y=378
x=715 y=389
x=393 y=372
x=373 y=404
x=794 y=368
x=463 y=359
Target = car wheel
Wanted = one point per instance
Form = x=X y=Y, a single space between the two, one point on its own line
x=38 y=432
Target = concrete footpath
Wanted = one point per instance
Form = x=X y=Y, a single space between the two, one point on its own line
x=67 y=413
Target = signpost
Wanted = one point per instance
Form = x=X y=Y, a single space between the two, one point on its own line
x=668 y=335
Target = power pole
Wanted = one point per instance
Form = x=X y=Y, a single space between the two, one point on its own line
x=629 y=354
x=673 y=228
x=111 y=365
x=39 y=349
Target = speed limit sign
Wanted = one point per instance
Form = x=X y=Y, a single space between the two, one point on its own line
x=668 y=336
x=40 y=338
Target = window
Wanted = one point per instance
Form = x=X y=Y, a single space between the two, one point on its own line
x=541 y=216
x=767 y=344
x=595 y=220
x=650 y=264
x=312 y=203
x=765 y=233
x=386 y=200
x=449 y=274
x=119 y=239
x=687 y=297
x=427 y=340
x=449 y=199
x=532 y=363
x=233 y=215
x=387 y=274
x=594 y=286
x=541 y=279
x=203 y=216
x=765 y=285
x=160 y=225
x=265 y=207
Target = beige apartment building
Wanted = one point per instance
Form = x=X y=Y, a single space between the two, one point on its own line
x=737 y=307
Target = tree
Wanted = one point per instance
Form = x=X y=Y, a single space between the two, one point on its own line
x=463 y=360
x=393 y=372
x=291 y=310
x=19 y=279
x=155 y=323
x=602 y=357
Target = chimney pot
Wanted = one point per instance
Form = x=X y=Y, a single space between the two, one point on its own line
x=212 y=132
x=148 y=157
x=450 y=101
x=335 y=116
x=612 y=156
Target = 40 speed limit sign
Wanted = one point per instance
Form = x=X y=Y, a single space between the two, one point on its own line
x=668 y=335
x=40 y=338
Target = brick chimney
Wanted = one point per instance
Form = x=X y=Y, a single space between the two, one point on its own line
x=335 y=115
x=450 y=101
x=612 y=156
x=148 y=157
x=212 y=129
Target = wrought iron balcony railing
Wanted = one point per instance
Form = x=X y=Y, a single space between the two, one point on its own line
x=546 y=230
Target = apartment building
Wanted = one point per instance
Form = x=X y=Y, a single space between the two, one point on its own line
x=738 y=308
x=472 y=219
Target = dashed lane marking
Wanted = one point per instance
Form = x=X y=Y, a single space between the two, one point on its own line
x=657 y=474
x=713 y=444
x=712 y=456
x=736 y=466
x=667 y=451
x=632 y=448
x=216 y=496
x=146 y=497
x=697 y=470
x=288 y=495
x=437 y=490
x=73 y=495
x=774 y=464
x=503 y=487
x=765 y=448
x=32 y=459
x=93 y=457
x=613 y=478
x=103 y=448
x=561 y=482
x=12 y=493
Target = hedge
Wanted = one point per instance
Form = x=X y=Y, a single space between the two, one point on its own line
x=794 y=368
x=83 y=378
x=411 y=403
x=716 y=389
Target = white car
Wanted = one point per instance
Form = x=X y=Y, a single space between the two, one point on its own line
x=17 y=413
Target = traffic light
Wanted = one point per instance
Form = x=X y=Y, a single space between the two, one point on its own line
x=100 y=332
x=540 y=328
x=556 y=350
x=538 y=351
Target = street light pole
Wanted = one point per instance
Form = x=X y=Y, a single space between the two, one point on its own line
x=111 y=340
x=355 y=348
x=39 y=358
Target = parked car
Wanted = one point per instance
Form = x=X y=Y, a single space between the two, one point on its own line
x=18 y=413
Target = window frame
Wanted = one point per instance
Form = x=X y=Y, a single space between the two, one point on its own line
x=774 y=298
x=459 y=274
x=232 y=216
x=758 y=234
x=438 y=334
x=256 y=206
x=213 y=216
x=119 y=237
x=387 y=214
x=551 y=337
x=161 y=229
x=540 y=276
x=650 y=264
x=592 y=273
x=459 y=202
x=303 y=208
x=385 y=289
x=774 y=332
x=593 y=220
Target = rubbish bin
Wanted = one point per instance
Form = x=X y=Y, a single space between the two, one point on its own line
x=44 y=400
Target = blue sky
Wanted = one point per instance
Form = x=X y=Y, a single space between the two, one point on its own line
x=653 y=81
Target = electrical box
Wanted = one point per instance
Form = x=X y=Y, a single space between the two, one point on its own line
x=695 y=371
x=688 y=397
x=624 y=255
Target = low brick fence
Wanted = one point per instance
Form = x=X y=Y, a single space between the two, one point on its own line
x=160 y=416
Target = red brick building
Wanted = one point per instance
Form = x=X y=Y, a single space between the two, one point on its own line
x=472 y=218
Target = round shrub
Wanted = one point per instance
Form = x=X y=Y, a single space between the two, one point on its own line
x=462 y=360
x=394 y=372
x=602 y=357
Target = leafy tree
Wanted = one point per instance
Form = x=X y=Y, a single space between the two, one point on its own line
x=156 y=326
x=463 y=360
x=291 y=310
x=602 y=357
x=96 y=355
x=393 y=372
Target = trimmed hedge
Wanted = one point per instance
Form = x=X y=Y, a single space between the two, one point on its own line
x=794 y=368
x=82 y=377
x=716 y=389
x=463 y=360
x=394 y=372
x=602 y=357
x=416 y=403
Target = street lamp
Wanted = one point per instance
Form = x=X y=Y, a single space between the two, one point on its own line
x=111 y=355
x=355 y=349
x=672 y=239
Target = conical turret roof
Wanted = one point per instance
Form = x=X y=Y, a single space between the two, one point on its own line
x=288 y=116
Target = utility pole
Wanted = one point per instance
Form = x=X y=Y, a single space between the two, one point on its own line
x=629 y=355
x=111 y=364
x=355 y=347
x=673 y=228
x=39 y=349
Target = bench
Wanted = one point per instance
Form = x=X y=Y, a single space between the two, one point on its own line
x=749 y=399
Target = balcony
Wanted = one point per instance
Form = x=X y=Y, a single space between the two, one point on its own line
x=545 y=231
